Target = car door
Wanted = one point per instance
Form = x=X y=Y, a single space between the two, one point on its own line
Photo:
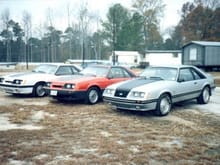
x=188 y=85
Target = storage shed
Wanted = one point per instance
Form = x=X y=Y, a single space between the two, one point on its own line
x=203 y=54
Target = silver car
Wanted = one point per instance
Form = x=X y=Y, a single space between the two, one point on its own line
x=159 y=87
x=33 y=82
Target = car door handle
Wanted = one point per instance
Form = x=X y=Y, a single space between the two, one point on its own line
x=195 y=83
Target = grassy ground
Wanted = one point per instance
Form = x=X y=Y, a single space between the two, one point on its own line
x=74 y=133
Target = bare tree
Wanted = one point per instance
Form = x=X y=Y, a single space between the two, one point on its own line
x=84 y=22
x=69 y=30
x=5 y=16
x=27 y=25
x=49 y=17
x=50 y=26
x=39 y=32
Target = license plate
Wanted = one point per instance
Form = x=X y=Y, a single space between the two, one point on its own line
x=53 y=93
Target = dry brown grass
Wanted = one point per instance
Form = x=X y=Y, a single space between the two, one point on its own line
x=83 y=134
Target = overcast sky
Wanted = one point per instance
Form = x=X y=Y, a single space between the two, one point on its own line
x=38 y=8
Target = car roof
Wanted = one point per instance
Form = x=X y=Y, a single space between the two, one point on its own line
x=173 y=66
x=105 y=66
x=56 y=64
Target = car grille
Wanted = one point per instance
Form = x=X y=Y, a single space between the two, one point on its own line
x=57 y=86
x=121 y=93
x=10 y=82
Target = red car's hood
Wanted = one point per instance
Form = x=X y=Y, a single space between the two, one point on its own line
x=75 y=79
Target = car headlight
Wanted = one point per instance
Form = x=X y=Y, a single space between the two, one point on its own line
x=109 y=91
x=69 y=86
x=137 y=94
x=17 y=81
x=48 y=84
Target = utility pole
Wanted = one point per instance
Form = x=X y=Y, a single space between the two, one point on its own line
x=113 y=38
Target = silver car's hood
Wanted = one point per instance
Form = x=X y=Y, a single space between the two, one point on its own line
x=130 y=84
x=28 y=75
x=141 y=84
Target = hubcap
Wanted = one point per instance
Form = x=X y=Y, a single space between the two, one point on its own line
x=40 y=90
x=164 y=106
x=206 y=95
x=93 y=96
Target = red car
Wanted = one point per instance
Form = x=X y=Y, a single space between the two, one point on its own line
x=89 y=85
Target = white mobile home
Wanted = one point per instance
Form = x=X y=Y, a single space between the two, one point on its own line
x=151 y=57
x=163 y=57
x=127 y=57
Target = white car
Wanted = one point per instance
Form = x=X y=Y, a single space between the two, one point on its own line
x=33 y=82
x=158 y=88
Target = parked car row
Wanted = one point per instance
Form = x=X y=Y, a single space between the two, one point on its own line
x=156 y=88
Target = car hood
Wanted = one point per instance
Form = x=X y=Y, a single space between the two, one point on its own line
x=140 y=84
x=29 y=75
x=130 y=84
x=67 y=78
x=75 y=79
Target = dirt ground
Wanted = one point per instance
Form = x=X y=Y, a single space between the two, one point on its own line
x=43 y=131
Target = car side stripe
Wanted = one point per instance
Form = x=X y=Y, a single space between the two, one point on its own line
x=188 y=93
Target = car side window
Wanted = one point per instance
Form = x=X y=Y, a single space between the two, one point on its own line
x=118 y=73
x=64 y=70
x=74 y=70
x=185 y=75
x=197 y=75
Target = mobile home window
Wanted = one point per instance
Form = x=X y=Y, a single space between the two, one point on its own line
x=193 y=54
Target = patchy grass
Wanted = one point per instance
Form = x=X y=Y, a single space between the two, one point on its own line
x=75 y=133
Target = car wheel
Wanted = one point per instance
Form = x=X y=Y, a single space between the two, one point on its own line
x=39 y=90
x=204 y=96
x=92 y=96
x=163 y=105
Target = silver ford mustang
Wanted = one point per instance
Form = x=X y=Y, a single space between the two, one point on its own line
x=157 y=88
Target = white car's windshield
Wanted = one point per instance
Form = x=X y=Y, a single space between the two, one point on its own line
x=160 y=73
x=95 y=71
x=48 y=69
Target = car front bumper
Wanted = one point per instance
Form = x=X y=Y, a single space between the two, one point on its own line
x=134 y=105
x=66 y=94
x=16 y=89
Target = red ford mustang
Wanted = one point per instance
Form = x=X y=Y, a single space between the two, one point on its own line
x=89 y=85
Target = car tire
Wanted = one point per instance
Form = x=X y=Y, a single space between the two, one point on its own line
x=164 y=105
x=92 y=96
x=39 y=90
x=204 y=97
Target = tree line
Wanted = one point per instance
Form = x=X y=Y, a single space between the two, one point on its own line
x=124 y=29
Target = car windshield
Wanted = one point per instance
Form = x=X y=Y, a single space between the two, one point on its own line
x=95 y=71
x=48 y=69
x=163 y=73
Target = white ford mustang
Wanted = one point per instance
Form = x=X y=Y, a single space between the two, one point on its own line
x=34 y=82
x=159 y=87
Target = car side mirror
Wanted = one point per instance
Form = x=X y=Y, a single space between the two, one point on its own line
x=58 y=74
x=110 y=76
